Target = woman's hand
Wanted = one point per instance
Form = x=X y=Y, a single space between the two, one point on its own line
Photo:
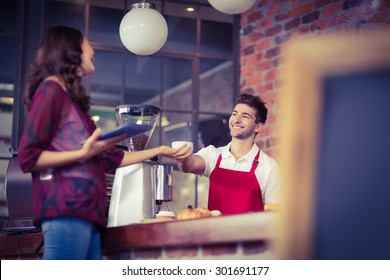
x=93 y=147
x=179 y=154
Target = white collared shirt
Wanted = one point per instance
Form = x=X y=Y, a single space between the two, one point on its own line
x=267 y=172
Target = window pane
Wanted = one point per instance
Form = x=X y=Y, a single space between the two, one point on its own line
x=5 y=126
x=7 y=65
x=142 y=80
x=177 y=84
x=106 y=82
x=68 y=14
x=8 y=16
x=104 y=117
x=104 y=26
x=216 y=39
x=177 y=127
x=214 y=130
x=216 y=86
x=181 y=35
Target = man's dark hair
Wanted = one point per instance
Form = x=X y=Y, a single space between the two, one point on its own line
x=256 y=103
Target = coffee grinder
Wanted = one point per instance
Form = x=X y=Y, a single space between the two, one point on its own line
x=139 y=190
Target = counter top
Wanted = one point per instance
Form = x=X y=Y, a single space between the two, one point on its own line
x=203 y=231
x=179 y=234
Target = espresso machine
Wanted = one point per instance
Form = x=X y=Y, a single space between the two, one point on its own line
x=139 y=190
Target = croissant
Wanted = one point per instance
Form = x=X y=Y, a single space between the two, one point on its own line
x=200 y=212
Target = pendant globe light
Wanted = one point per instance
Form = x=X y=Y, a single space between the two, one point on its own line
x=232 y=6
x=143 y=30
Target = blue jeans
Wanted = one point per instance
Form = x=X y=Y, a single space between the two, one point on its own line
x=68 y=238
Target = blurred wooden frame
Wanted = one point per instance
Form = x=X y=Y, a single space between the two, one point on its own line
x=308 y=61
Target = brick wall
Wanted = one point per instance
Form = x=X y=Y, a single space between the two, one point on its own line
x=232 y=251
x=255 y=250
x=271 y=23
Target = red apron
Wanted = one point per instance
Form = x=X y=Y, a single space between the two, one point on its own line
x=233 y=192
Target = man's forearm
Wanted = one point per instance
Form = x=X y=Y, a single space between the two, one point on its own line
x=185 y=165
x=193 y=164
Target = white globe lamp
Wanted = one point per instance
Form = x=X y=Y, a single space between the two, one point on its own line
x=143 y=30
x=232 y=6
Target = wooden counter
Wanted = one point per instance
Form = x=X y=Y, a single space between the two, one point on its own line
x=229 y=237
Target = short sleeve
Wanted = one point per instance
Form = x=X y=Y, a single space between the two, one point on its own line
x=209 y=155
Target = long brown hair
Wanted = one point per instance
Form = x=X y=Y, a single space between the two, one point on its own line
x=59 y=54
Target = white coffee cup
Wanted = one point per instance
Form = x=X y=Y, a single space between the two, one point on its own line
x=177 y=144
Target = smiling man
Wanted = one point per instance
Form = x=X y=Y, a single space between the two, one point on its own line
x=242 y=178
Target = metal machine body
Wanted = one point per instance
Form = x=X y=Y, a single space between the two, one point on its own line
x=139 y=189
x=137 y=192
x=18 y=193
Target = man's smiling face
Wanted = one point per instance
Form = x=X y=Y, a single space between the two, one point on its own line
x=242 y=122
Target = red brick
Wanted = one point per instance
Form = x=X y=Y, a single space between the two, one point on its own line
x=147 y=253
x=272 y=52
x=345 y=17
x=243 y=60
x=246 y=30
x=264 y=2
x=320 y=25
x=178 y=253
x=251 y=59
x=250 y=91
x=311 y=17
x=259 y=56
x=255 y=17
x=244 y=41
x=218 y=250
x=292 y=23
x=118 y=255
x=301 y=10
x=248 y=50
x=263 y=44
x=363 y=11
x=273 y=30
x=274 y=9
x=281 y=17
x=247 y=70
x=252 y=248
x=255 y=37
x=266 y=23
x=265 y=65
x=280 y=39
x=272 y=75
x=332 y=9
x=264 y=88
x=321 y=3
x=292 y=3
x=253 y=81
